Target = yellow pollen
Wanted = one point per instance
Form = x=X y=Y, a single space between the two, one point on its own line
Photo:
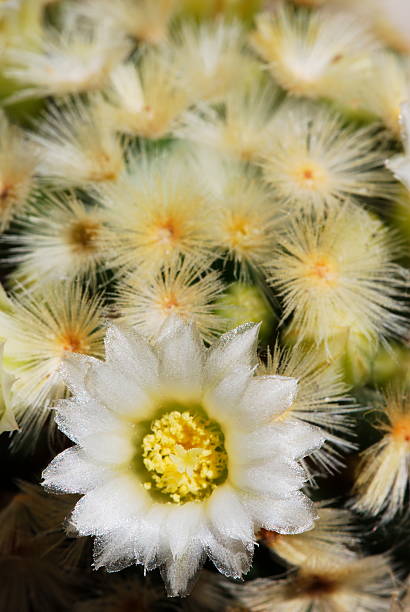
x=185 y=456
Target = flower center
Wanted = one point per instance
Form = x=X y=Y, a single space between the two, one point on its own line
x=82 y=235
x=184 y=455
x=167 y=231
x=169 y=302
x=401 y=429
x=311 y=176
x=322 y=271
x=73 y=342
x=316 y=585
x=6 y=194
x=239 y=229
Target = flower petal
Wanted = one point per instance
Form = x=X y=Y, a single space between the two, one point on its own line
x=132 y=355
x=109 y=506
x=77 y=420
x=183 y=523
x=223 y=399
x=108 y=447
x=178 y=573
x=278 y=478
x=115 y=550
x=73 y=371
x=151 y=541
x=291 y=439
x=72 y=471
x=181 y=353
x=230 y=557
x=265 y=397
x=237 y=346
x=123 y=394
x=228 y=516
x=299 y=439
x=294 y=514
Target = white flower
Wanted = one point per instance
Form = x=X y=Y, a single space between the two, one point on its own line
x=400 y=164
x=177 y=455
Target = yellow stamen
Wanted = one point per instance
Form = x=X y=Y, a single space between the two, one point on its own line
x=185 y=456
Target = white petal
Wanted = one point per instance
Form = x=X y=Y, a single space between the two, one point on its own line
x=114 y=448
x=151 y=546
x=182 y=525
x=132 y=355
x=399 y=165
x=300 y=439
x=178 y=573
x=110 y=506
x=121 y=393
x=73 y=371
x=294 y=514
x=72 y=471
x=115 y=550
x=278 y=478
x=228 y=516
x=237 y=346
x=77 y=420
x=223 y=399
x=265 y=397
x=292 y=439
x=231 y=557
x=181 y=353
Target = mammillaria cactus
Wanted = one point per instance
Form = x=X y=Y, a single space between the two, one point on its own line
x=204 y=305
